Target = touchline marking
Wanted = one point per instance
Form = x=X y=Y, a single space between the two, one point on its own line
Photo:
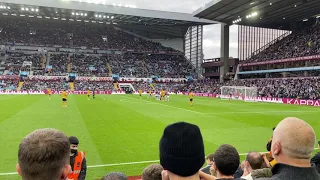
x=121 y=164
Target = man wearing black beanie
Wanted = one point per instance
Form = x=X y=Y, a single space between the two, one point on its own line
x=181 y=151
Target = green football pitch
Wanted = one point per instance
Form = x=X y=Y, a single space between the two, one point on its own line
x=122 y=132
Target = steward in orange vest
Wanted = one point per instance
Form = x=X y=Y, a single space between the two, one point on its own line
x=77 y=161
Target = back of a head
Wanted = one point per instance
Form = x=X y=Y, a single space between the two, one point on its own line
x=114 y=176
x=152 y=172
x=296 y=137
x=181 y=149
x=43 y=154
x=255 y=160
x=227 y=159
x=210 y=157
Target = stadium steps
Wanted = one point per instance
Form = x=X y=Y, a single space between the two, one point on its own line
x=44 y=61
x=69 y=68
x=109 y=69
x=71 y=85
x=144 y=64
x=20 y=86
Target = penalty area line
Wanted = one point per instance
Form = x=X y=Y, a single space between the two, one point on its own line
x=119 y=164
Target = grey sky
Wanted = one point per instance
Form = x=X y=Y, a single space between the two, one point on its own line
x=211 y=33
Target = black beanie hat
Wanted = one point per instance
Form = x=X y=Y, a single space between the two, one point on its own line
x=73 y=140
x=182 y=149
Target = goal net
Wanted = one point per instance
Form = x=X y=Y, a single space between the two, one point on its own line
x=248 y=94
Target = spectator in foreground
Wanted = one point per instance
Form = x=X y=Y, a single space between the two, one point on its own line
x=226 y=161
x=114 y=176
x=209 y=160
x=44 y=154
x=181 y=152
x=78 y=161
x=152 y=172
x=316 y=159
x=253 y=161
x=292 y=146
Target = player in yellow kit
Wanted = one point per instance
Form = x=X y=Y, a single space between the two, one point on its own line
x=162 y=95
x=140 y=93
x=150 y=94
x=191 y=95
x=64 y=95
x=49 y=93
x=88 y=93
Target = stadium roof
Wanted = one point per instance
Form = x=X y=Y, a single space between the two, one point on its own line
x=148 y=23
x=263 y=13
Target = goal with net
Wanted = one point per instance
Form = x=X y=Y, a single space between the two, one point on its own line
x=248 y=94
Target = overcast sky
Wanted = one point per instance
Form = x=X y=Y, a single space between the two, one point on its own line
x=211 y=33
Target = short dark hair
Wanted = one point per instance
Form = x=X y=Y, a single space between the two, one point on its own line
x=114 y=176
x=227 y=159
x=210 y=157
x=255 y=160
x=319 y=143
x=43 y=154
x=152 y=172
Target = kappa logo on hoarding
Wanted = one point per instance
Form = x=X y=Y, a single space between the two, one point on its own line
x=304 y=102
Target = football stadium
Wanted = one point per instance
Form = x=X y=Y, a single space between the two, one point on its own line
x=98 y=91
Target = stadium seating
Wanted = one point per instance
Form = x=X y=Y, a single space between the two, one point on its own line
x=303 y=42
x=9 y=84
x=34 y=31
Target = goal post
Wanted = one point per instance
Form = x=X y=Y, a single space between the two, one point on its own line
x=248 y=94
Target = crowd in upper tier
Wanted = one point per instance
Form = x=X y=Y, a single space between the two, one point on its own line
x=303 y=42
x=34 y=31
x=125 y=62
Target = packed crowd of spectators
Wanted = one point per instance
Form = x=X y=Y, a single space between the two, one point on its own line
x=8 y=84
x=34 y=31
x=182 y=156
x=59 y=64
x=81 y=65
x=125 y=65
x=38 y=85
x=303 y=42
x=14 y=62
x=302 y=88
x=94 y=85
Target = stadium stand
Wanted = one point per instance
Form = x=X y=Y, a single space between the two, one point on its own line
x=28 y=31
x=302 y=42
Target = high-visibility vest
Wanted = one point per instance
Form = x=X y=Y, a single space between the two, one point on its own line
x=77 y=166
